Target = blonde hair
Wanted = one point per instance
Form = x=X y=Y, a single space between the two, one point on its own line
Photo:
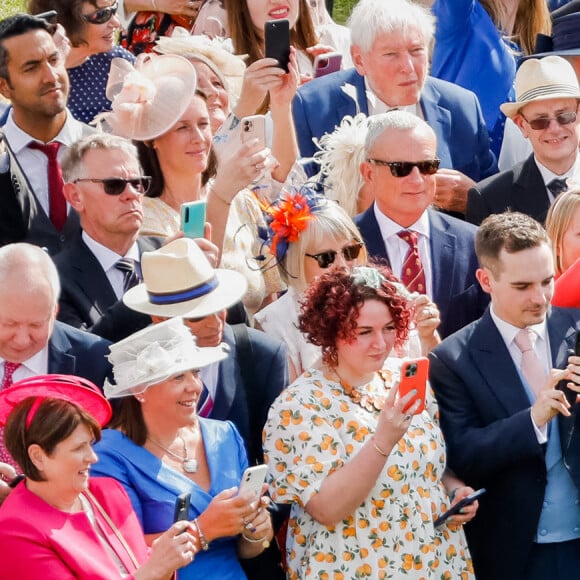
x=559 y=220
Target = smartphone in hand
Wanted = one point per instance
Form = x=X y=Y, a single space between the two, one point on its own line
x=254 y=127
x=277 y=41
x=327 y=63
x=459 y=505
x=563 y=385
x=181 y=512
x=193 y=219
x=414 y=373
x=253 y=479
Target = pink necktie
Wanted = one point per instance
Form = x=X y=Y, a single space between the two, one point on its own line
x=531 y=367
x=56 y=200
x=412 y=274
x=9 y=368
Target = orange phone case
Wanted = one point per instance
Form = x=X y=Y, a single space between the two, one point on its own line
x=414 y=374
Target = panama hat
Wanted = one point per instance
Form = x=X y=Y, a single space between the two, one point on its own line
x=155 y=354
x=64 y=387
x=149 y=98
x=179 y=281
x=551 y=77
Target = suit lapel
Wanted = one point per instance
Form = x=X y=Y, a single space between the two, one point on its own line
x=227 y=382
x=529 y=194
x=371 y=233
x=439 y=119
x=59 y=360
x=443 y=249
x=345 y=104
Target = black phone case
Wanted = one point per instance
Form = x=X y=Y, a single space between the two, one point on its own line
x=182 y=507
x=562 y=385
x=277 y=38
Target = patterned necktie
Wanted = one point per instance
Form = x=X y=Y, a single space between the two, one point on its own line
x=56 y=200
x=531 y=367
x=130 y=275
x=204 y=403
x=557 y=186
x=9 y=368
x=412 y=274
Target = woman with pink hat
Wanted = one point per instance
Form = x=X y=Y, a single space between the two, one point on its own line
x=58 y=522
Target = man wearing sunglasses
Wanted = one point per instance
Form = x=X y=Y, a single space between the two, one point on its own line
x=546 y=112
x=37 y=133
x=104 y=183
x=431 y=252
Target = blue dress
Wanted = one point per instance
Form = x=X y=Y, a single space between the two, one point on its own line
x=471 y=52
x=88 y=84
x=153 y=488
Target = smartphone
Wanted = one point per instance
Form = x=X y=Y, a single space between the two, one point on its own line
x=563 y=385
x=254 y=127
x=14 y=482
x=277 y=40
x=459 y=505
x=253 y=479
x=414 y=373
x=193 y=219
x=181 y=512
x=324 y=64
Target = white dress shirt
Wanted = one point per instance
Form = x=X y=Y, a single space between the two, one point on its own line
x=376 y=106
x=549 y=176
x=34 y=366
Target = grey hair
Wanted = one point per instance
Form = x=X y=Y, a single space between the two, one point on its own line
x=72 y=163
x=370 y=18
x=27 y=264
x=392 y=121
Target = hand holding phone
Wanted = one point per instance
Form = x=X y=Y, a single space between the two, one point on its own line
x=253 y=479
x=414 y=373
x=254 y=127
x=193 y=219
x=181 y=512
x=327 y=63
x=459 y=506
x=277 y=41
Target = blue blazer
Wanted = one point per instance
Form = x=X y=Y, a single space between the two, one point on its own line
x=456 y=290
x=491 y=443
x=74 y=352
x=452 y=112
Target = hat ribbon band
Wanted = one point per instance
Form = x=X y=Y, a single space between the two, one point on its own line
x=548 y=91
x=183 y=295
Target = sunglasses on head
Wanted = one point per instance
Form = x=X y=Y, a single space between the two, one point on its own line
x=349 y=253
x=544 y=122
x=101 y=15
x=117 y=185
x=404 y=168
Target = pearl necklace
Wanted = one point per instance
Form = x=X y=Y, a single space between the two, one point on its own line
x=189 y=464
x=368 y=396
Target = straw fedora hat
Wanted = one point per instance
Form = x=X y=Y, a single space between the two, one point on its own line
x=179 y=281
x=149 y=98
x=155 y=354
x=551 y=77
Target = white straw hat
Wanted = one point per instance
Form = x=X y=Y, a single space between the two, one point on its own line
x=155 y=354
x=551 y=77
x=179 y=281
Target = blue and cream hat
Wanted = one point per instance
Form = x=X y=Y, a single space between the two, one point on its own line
x=179 y=281
x=551 y=77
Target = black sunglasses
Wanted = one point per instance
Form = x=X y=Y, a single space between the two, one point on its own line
x=117 y=185
x=325 y=259
x=403 y=168
x=101 y=15
x=544 y=122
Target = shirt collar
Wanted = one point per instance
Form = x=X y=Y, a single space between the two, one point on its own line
x=390 y=228
x=376 y=106
x=37 y=364
x=548 y=175
x=106 y=257
x=509 y=331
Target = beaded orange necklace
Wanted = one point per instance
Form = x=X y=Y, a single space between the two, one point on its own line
x=370 y=397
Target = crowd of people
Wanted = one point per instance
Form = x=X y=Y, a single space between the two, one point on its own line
x=417 y=209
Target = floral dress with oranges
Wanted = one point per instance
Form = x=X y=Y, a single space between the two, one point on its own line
x=313 y=428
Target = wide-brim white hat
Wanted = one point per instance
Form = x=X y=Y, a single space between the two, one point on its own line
x=179 y=281
x=551 y=77
x=155 y=354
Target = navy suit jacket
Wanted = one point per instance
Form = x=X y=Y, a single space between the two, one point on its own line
x=270 y=378
x=456 y=290
x=452 y=112
x=518 y=189
x=88 y=300
x=74 y=352
x=491 y=442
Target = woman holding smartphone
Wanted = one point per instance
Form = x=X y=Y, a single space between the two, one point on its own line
x=365 y=475
x=158 y=448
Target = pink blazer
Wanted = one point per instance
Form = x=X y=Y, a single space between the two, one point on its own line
x=39 y=541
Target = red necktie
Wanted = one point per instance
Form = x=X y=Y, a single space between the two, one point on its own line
x=531 y=367
x=9 y=368
x=56 y=200
x=412 y=274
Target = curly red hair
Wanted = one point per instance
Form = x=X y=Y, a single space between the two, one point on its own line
x=331 y=305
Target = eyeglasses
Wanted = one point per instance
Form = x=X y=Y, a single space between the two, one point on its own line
x=544 y=122
x=101 y=15
x=349 y=253
x=403 y=168
x=117 y=185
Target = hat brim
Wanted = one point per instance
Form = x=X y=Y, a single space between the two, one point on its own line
x=568 y=52
x=196 y=359
x=511 y=109
x=230 y=289
x=61 y=387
